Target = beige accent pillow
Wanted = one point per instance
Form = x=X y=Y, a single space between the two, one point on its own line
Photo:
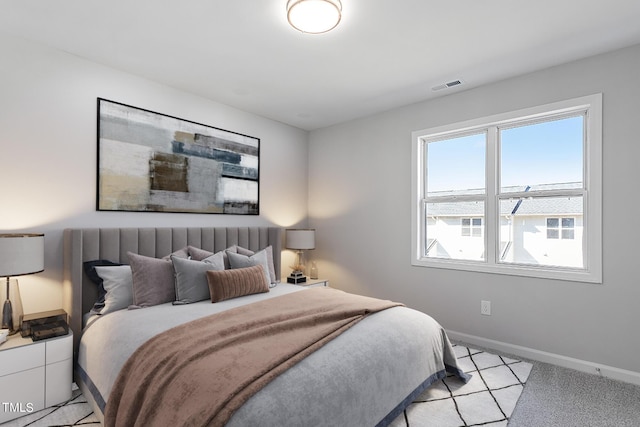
x=227 y=284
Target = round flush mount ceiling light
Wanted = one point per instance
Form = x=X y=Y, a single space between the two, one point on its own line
x=314 y=16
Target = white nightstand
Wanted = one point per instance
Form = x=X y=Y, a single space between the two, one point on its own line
x=34 y=375
x=314 y=283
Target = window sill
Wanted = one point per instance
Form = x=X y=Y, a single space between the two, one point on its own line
x=541 y=272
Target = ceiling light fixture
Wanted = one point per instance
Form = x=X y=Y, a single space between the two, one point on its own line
x=314 y=16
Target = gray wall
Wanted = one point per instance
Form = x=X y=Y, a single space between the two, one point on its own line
x=359 y=193
x=359 y=202
x=48 y=154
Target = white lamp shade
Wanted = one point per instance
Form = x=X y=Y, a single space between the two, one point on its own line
x=21 y=254
x=300 y=239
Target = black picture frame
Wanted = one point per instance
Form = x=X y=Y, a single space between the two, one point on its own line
x=152 y=162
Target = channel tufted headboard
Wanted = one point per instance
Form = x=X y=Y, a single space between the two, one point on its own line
x=86 y=244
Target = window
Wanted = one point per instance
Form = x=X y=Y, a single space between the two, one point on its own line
x=471 y=227
x=560 y=228
x=518 y=193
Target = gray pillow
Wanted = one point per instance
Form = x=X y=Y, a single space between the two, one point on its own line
x=182 y=253
x=191 y=279
x=118 y=284
x=270 y=266
x=197 y=253
x=243 y=261
x=200 y=254
x=153 y=281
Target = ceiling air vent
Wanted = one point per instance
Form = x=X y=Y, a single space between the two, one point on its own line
x=447 y=85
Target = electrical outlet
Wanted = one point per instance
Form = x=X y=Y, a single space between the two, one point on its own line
x=485 y=308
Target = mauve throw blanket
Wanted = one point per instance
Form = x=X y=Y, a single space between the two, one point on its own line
x=199 y=373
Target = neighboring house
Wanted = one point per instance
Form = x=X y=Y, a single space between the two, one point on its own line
x=533 y=231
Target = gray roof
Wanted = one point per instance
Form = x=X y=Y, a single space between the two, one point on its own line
x=512 y=189
x=544 y=206
x=538 y=206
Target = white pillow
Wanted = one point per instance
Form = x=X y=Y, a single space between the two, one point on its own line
x=118 y=282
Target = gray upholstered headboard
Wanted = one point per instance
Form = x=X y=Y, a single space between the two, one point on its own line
x=86 y=244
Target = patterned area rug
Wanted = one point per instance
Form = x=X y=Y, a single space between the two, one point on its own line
x=75 y=412
x=488 y=399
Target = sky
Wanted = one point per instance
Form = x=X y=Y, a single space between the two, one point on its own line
x=543 y=153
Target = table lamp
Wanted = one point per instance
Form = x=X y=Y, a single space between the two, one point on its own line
x=299 y=240
x=20 y=254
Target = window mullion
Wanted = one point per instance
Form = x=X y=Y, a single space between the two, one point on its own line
x=491 y=237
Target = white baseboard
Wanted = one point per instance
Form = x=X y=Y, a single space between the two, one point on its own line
x=552 y=358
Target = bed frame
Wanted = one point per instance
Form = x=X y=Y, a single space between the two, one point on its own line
x=86 y=244
x=399 y=332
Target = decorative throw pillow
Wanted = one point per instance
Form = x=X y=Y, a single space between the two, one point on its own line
x=118 y=284
x=191 y=280
x=243 y=261
x=200 y=254
x=153 y=281
x=92 y=274
x=181 y=253
x=197 y=253
x=270 y=266
x=227 y=284
x=216 y=259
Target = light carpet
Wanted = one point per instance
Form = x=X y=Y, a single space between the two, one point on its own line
x=488 y=399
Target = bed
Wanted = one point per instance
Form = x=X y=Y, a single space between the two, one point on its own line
x=364 y=376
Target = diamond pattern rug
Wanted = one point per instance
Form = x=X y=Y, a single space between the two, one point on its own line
x=488 y=399
x=74 y=412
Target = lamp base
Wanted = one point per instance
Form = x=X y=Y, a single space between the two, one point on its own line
x=7 y=317
x=11 y=307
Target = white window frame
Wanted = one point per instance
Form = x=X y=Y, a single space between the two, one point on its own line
x=591 y=106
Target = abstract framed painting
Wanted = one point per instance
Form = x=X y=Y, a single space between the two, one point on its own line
x=152 y=162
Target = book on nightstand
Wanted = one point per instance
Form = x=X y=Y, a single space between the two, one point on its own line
x=297 y=277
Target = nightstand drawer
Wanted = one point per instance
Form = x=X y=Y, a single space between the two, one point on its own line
x=59 y=349
x=21 y=358
x=21 y=393
x=58 y=382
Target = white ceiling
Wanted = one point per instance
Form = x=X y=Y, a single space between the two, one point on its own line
x=384 y=53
